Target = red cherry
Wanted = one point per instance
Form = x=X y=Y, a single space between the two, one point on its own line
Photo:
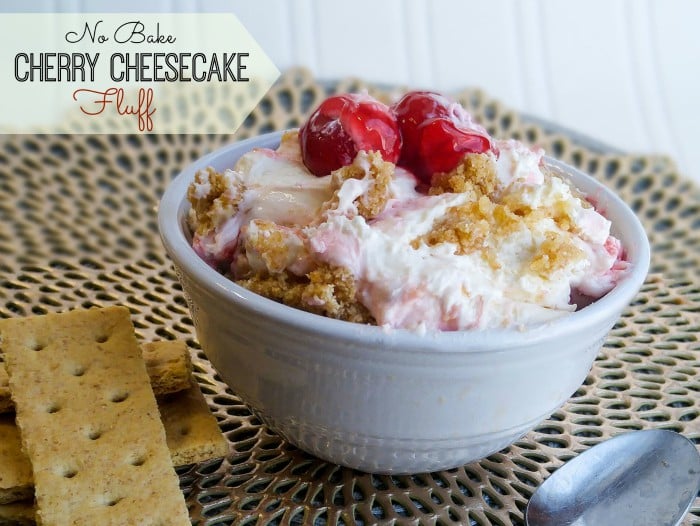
x=443 y=145
x=342 y=126
x=436 y=132
x=411 y=111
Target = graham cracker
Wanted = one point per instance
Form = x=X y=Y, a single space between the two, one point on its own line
x=191 y=433
x=20 y=513
x=191 y=430
x=5 y=400
x=89 y=421
x=168 y=365
x=16 y=482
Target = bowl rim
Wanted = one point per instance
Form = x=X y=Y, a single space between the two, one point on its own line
x=174 y=203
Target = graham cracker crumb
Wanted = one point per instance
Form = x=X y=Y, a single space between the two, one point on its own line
x=275 y=246
x=559 y=211
x=470 y=226
x=333 y=288
x=329 y=291
x=555 y=253
x=211 y=199
x=475 y=176
x=371 y=165
x=488 y=217
x=284 y=287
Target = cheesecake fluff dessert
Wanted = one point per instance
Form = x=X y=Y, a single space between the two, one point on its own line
x=408 y=216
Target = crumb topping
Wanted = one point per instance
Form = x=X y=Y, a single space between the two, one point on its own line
x=555 y=253
x=276 y=246
x=368 y=165
x=475 y=176
x=473 y=227
x=559 y=210
x=490 y=216
x=214 y=198
x=326 y=290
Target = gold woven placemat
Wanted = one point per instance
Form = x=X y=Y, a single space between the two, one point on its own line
x=78 y=228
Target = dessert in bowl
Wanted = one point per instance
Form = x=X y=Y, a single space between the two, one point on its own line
x=460 y=302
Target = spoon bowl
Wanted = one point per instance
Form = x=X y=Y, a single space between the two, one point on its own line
x=642 y=478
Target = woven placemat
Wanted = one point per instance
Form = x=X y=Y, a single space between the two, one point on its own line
x=78 y=228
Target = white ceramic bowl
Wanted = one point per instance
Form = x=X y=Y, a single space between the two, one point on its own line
x=391 y=402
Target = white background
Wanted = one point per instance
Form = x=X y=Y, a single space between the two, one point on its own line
x=624 y=72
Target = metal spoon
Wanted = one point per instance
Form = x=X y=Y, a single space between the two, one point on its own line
x=642 y=478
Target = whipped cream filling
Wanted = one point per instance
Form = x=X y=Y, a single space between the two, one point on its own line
x=430 y=287
x=412 y=284
x=268 y=185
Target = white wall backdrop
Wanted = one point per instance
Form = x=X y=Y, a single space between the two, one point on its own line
x=622 y=71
